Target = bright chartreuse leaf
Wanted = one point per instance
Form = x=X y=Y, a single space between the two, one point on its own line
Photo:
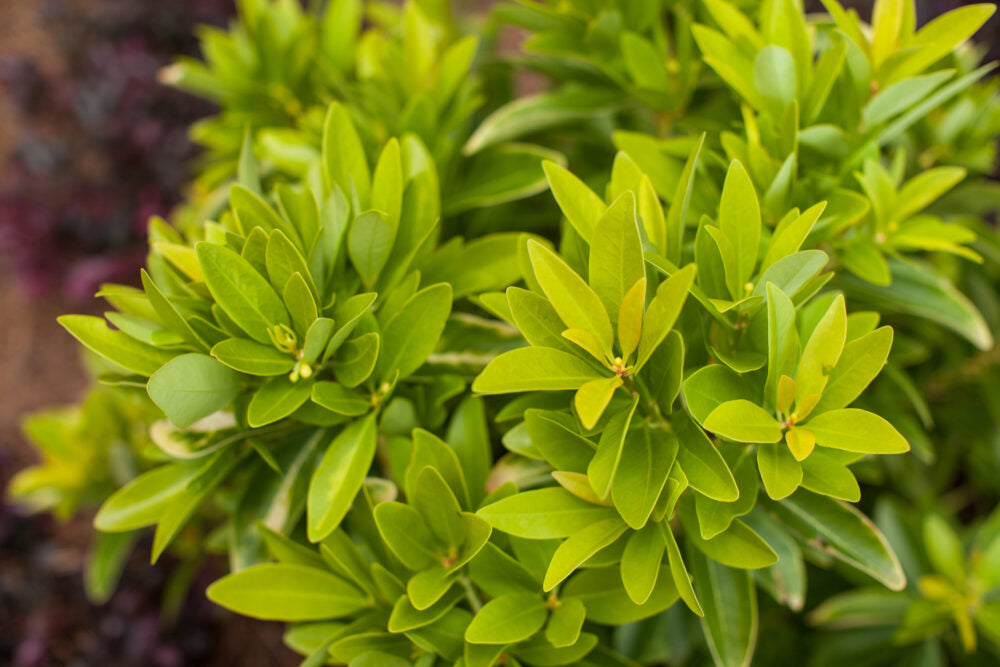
x=276 y=399
x=339 y=476
x=616 y=261
x=543 y=514
x=579 y=547
x=859 y=364
x=854 y=430
x=647 y=456
x=593 y=397
x=743 y=421
x=275 y=591
x=507 y=619
x=663 y=311
x=252 y=358
x=115 y=346
x=579 y=204
x=577 y=304
x=779 y=470
x=641 y=561
x=739 y=220
x=241 y=291
x=534 y=369
x=412 y=333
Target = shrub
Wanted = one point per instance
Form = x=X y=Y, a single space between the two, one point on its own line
x=678 y=383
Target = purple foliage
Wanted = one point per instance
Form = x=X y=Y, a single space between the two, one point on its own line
x=102 y=146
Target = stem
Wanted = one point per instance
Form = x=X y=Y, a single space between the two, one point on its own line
x=470 y=592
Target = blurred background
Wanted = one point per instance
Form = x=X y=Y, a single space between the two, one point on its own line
x=91 y=146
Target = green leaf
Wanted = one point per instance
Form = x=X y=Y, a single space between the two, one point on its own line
x=253 y=212
x=469 y=437
x=168 y=312
x=339 y=399
x=142 y=501
x=339 y=476
x=279 y=592
x=729 y=600
x=944 y=549
x=580 y=546
x=711 y=386
x=647 y=456
x=192 y=386
x=714 y=516
x=645 y=64
x=663 y=311
x=917 y=289
x=848 y=535
x=861 y=361
x=826 y=472
x=412 y=333
x=679 y=572
x=630 y=318
x=504 y=173
x=579 y=204
x=937 y=39
x=739 y=219
x=300 y=303
x=925 y=188
x=283 y=261
x=536 y=319
x=356 y=360
x=346 y=316
x=507 y=619
x=603 y=466
x=242 y=293
x=788 y=238
x=782 y=342
x=369 y=242
x=737 y=546
x=728 y=61
x=430 y=450
x=387 y=183
x=437 y=504
x=901 y=96
x=774 y=78
x=854 y=430
x=406 y=617
x=593 y=397
x=344 y=161
x=543 y=514
x=703 y=465
x=786 y=579
x=276 y=399
x=107 y=560
x=534 y=369
x=565 y=622
x=577 y=304
x=247 y=356
x=562 y=447
x=607 y=603
x=616 y=261
x=822 y=351
x=641 y=560
x=677 y=217
x=528 y=115
x=180 y=509
x=115 y=346
x=317 y=337
x=743 y=421
x=779 y=470
x=407 y=536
